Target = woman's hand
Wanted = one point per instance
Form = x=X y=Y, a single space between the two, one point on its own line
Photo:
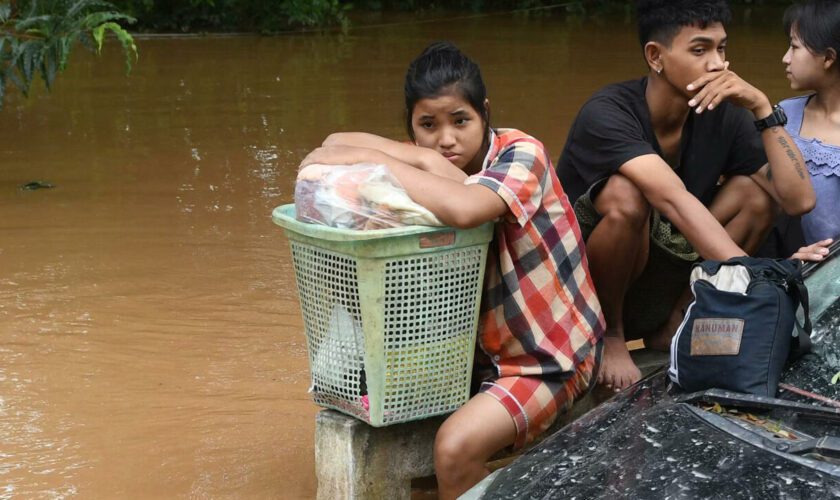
x=814 y=252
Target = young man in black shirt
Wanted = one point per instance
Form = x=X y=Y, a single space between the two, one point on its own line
x=644 y=160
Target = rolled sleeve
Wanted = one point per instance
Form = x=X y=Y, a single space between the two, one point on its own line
x=517 y=176
x=606 y=135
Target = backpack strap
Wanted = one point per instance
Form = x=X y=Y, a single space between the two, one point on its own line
x=797 y=285
x=791 y=271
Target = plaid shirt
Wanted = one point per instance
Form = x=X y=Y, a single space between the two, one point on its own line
x=540 y=315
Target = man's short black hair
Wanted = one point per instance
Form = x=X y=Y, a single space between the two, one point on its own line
x=661 y=20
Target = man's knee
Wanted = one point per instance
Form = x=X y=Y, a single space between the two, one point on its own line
x=621 y=201
x=754 y=201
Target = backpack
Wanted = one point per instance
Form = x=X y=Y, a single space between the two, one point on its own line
x=741 y=328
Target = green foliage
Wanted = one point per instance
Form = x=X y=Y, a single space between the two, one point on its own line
x=37 y=37
x=122 y=35
x=272 y=16
x=471 y=5
x=315 y=12
x=235 y=15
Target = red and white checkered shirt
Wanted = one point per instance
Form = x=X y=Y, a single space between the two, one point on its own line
x=540 y=315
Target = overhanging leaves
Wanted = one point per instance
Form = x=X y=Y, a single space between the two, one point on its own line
x=129 y=48
x=37 y=38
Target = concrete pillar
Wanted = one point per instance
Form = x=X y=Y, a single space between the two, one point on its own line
x=356 y=461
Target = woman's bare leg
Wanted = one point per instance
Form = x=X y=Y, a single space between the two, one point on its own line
x=467 y=440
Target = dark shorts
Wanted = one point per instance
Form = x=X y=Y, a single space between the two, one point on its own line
x=784 y=239
x=652 y=296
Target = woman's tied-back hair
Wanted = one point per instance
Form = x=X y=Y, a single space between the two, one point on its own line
x=661 y=20
x=817 y=23
x=442 y=69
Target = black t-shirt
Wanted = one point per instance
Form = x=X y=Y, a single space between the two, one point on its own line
x=613 y=127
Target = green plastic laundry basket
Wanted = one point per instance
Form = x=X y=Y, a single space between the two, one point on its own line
x=390 y=314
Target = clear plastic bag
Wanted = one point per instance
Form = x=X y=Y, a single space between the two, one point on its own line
x=360 y=196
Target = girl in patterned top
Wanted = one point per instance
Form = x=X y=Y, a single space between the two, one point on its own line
x=814 y=120
x=541 y=321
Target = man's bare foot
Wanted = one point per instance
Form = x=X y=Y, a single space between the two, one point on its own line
x=661 y=340
x=617 y=368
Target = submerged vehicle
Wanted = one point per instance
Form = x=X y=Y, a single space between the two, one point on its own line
x=652 y=441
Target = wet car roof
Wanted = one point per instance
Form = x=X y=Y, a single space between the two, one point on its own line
x=652 y=442
x=647 y=444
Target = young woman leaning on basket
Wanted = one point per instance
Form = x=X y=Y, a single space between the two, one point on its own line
x=541 y=322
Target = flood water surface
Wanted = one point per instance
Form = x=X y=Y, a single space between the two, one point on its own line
x=151 y=343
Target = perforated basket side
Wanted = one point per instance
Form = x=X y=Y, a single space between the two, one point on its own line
x=430 y=318
x=331 y=307
x=391 y=315
x=400 y=330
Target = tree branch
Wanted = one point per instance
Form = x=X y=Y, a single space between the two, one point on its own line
x=21 y=36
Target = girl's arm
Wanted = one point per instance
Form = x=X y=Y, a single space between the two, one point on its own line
x=785 y=176
x=814 y=252
x=423 y=158
x=453 y=202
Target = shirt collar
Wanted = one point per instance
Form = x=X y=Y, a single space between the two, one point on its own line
x=493 y=150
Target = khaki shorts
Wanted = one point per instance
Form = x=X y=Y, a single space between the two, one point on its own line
x=652 y=296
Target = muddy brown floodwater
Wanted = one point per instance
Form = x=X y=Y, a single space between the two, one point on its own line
x=150 y=338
